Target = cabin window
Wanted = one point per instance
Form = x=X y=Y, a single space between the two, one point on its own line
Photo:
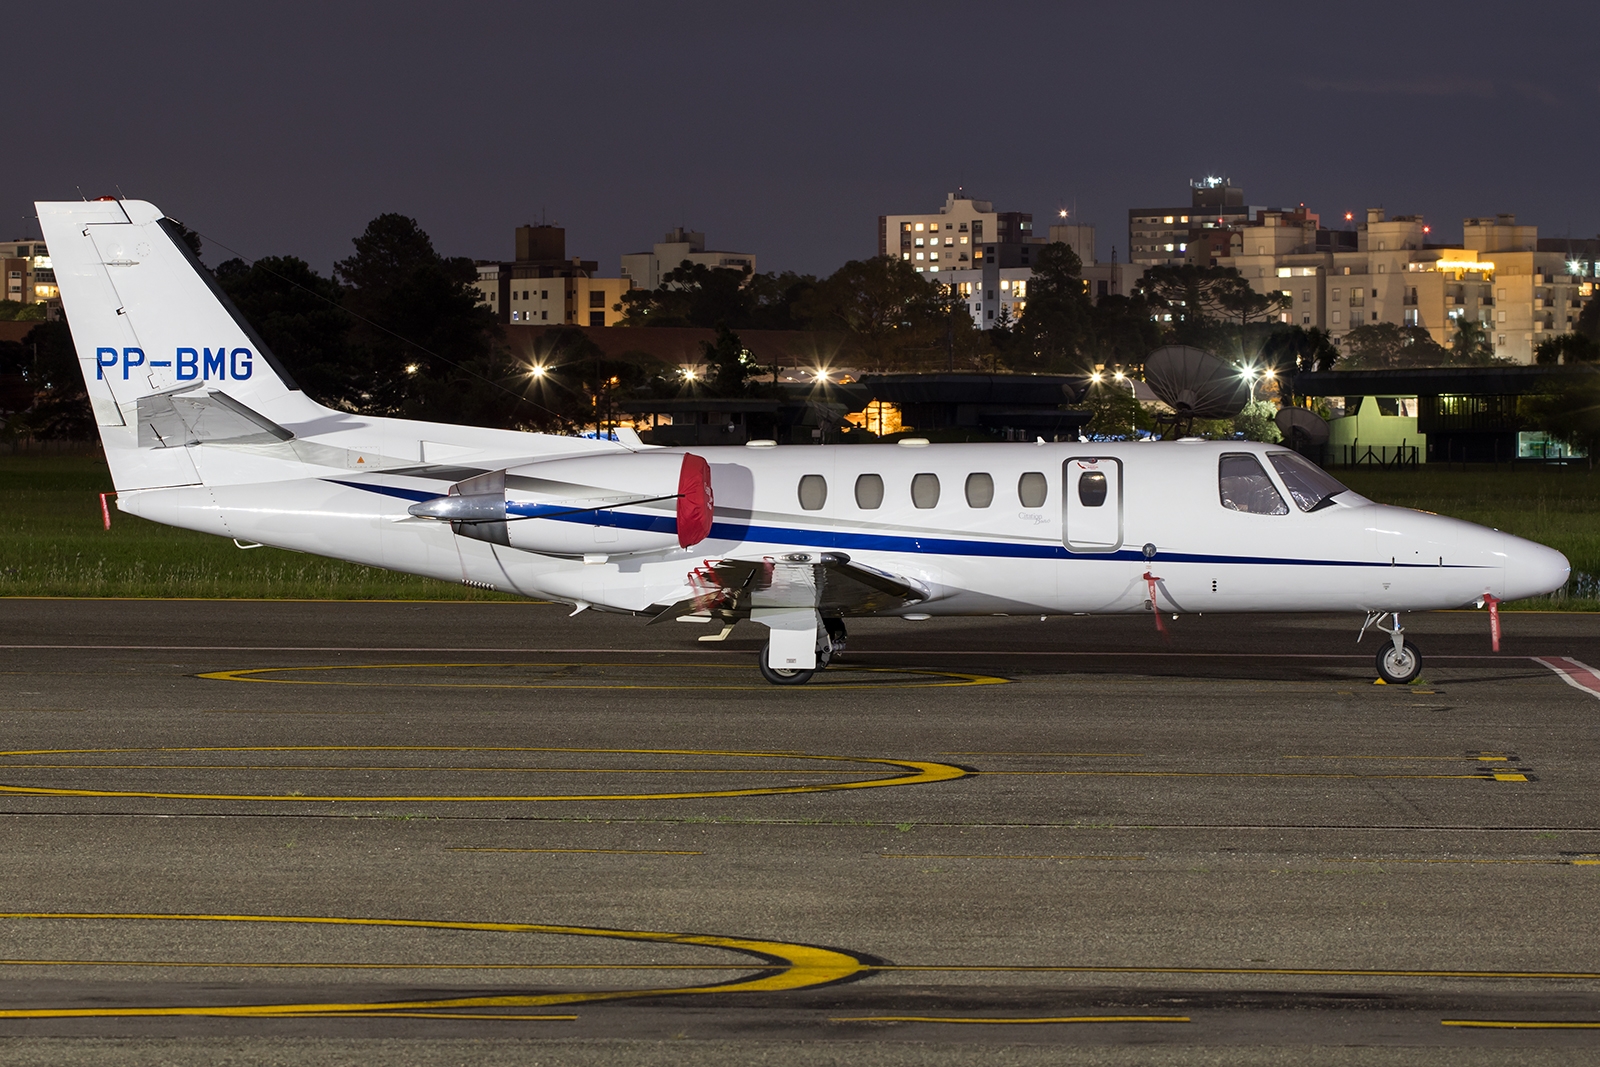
x=1092 y=488
x=1244 y=486
x=1032 y=489
x=925 y=490
x=1311 y=487
x=980 y=490
x=869 y=492
x=813 y=492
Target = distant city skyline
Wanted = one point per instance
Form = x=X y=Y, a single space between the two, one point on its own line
x=787 y=133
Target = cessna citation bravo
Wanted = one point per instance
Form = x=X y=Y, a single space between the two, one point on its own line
x=204 y=430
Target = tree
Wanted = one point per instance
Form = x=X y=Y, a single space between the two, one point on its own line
x=1471 y=346
x=16 y=311
x=1567 y=348
x=1121 y=331
x=298 y=313
x=1114 y=411
x=424 y=344
x=1199 y=299
x=692 y=294
x=57 y=408
x=1296 y=348
x=1055 y=324
x=1258 y=422
x=1571 y=412
x=1384 y=345
x=895 y=317
x=1588 y=322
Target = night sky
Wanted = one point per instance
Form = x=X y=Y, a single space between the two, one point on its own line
x=786 y=129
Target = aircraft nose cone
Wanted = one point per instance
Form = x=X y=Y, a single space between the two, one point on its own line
x=1532 y=569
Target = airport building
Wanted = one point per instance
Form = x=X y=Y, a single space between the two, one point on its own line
x=541 y=285
x=646 y=269
x=1390 y=271
x=28 y=276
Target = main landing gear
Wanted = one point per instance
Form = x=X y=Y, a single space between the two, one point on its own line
x=830 y=643
x=1399 y=662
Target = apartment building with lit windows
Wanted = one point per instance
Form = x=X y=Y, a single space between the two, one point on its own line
x=964 y=234
x=1497 y=275
x=543 y=286
x=26 y=275
x=1163 y=236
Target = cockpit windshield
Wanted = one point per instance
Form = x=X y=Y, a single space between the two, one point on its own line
x=1312 y=487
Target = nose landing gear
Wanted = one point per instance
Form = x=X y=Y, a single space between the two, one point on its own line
x=1398 y=660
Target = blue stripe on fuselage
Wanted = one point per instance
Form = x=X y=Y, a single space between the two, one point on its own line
x=874 y=542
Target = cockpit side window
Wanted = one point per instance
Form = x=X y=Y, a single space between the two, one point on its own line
x=1244 y=486
x=1311 y=487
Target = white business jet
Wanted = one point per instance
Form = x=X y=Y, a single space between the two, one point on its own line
x=204 y=430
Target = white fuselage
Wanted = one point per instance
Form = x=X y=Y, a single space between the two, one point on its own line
x=1013 y=555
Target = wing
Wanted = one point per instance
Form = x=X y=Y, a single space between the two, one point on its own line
x=831 y=582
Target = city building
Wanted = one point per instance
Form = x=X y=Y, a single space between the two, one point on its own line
x=1389 y=270
x=543 y=286
x=1163 y=236
x=646 y=269
x=27 y=275
x=962 y=235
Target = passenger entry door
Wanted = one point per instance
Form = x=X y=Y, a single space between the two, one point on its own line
x=1091 y=504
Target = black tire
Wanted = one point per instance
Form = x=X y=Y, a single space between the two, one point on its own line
x=779 y=676
x=1399 y=667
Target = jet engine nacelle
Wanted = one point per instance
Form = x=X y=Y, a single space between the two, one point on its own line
x=611 y=505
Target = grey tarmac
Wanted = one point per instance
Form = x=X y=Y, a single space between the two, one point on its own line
x=329 y=832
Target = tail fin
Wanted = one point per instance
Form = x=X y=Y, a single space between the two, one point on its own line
x=165 y=355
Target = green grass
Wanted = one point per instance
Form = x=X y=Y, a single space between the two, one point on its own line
x=52 y=542
x=1556 y=506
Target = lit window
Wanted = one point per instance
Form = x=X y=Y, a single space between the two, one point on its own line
x=1169 y=248
x=905 y=255
x=963 y=240
x=933 y=255
x=920 y=255
x=1183 y=218
x=919 y=242
x=1183 y=248
x=905 y=227
x=1005 y=284
x=1168 y=219
x=919 y=227
x=1283 y=272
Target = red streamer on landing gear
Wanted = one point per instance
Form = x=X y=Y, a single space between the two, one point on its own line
x=1155 y=605
x=105 y=512
x=1494 y=620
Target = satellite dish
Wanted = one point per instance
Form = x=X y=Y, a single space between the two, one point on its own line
x=1195 y=385
x=1301 y=429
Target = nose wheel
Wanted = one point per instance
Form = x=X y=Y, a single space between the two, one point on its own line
x=1399 y=662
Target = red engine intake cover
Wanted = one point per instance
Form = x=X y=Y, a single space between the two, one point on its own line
x=694 y=501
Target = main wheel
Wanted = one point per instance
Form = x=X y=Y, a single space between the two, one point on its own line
x=1399 y=666
x=779 y=675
